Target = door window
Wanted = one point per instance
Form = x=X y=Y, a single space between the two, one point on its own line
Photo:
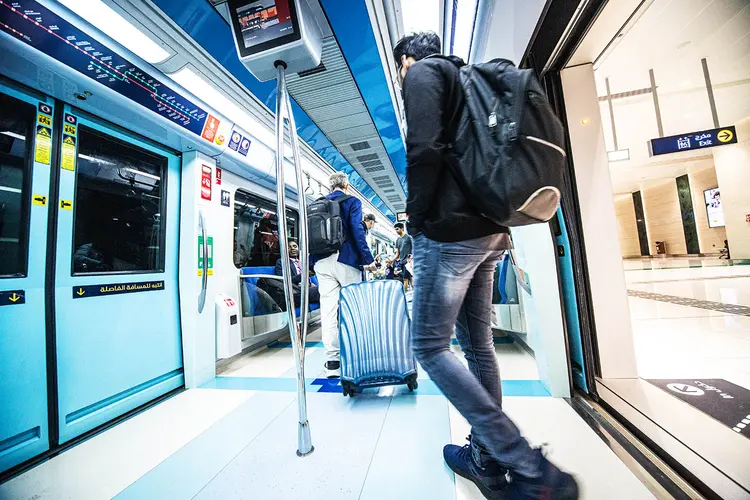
x=16 y=124
x=119 y=207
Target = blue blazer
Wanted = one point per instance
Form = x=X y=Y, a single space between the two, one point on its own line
x=354 y=252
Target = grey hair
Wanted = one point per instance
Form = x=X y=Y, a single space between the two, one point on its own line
x=338 y=180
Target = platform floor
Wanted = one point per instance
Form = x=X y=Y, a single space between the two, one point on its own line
x=691 y=318
x=236 y=438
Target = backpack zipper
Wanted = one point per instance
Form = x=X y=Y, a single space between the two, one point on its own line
x=546 y=143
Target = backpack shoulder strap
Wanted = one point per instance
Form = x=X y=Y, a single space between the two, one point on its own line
x=343 y=198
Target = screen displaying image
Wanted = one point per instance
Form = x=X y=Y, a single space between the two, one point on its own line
x=263 y=21
x=713 y=207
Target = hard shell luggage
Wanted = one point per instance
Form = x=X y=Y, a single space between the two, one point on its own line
x=375 y=336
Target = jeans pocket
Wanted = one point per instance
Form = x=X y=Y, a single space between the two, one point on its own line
x=457 y=262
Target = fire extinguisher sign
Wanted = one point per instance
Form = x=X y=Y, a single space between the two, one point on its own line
x=206 y=182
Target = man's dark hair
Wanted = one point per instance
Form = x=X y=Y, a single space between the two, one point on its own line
x=417 y=45
x=398 y=225
x=369 y=217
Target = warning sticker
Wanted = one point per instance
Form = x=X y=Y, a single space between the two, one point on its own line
x=69 y=129
x=39 y=200
x=66 y=204
x=68 y=153
x=210 y=128
x=71 y=119
x=44 y=120
x=43 y=145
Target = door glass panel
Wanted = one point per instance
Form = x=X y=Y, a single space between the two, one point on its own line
x=119 y=226
x=16 y=123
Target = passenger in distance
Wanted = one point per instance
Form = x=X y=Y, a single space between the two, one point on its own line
x=404 y=245
x=296 y=268
x=341 y=268
x=455 y=254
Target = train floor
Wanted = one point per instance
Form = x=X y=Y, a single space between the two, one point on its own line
x=236 y=437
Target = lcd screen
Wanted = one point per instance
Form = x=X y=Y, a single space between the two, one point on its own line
x=262 y=22
x=713 y=207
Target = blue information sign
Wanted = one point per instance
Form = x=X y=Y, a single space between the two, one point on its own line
x=39 y=27
x=693 y=140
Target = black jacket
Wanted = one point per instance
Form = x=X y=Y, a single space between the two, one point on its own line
x=434 y=100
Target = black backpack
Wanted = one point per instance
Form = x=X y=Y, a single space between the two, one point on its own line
x=509 y=145
x=325 y=225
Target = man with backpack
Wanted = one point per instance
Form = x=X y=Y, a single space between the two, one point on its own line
x=340 y=251
x=456 y=250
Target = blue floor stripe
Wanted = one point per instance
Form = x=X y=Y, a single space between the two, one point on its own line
x=426 y=387
x=288 y=345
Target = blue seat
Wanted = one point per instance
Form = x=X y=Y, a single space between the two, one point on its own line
x=258 y=306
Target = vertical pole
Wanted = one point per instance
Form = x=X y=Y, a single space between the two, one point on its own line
x=611 y=114
x=304 y=441
x=656 y=103
x=710 y=90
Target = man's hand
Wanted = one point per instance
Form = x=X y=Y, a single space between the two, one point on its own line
x=370 y=267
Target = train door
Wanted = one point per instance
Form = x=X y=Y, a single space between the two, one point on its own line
x=117 y=320
x=25 y=158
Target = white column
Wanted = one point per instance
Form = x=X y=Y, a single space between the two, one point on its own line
x=198 y=329
x=733 y=172
x=607 y=280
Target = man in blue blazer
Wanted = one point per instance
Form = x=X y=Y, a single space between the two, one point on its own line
x=341 y=268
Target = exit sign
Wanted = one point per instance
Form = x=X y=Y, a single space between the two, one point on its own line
x=693 y=140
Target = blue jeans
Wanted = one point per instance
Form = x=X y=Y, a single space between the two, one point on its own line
x=453 y=287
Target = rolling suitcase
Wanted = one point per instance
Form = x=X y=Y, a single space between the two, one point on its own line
x=375 y=337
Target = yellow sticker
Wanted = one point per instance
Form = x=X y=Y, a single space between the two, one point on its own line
x=39 y=200
x=210 y=272
x=66 y=204
x=69 y=129
x=68 y=153
x=200 y=272
x=43 y=145
x=44 y=120
x=725 y=135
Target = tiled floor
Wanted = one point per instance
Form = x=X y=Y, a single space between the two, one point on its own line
x=690 y=318
x=236 y=438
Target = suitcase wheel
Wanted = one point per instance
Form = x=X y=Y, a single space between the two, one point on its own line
x=412 y=385
x=348 y=389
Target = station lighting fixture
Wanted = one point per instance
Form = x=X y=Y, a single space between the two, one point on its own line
x=585 y=121
x=466 y=12
x=106 y=20
x=619 y=155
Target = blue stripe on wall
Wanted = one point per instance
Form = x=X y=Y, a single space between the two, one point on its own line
x=351 y=25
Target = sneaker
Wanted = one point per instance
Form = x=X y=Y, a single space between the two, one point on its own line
x=491 y=479
x=333 y=369
x=553 y=483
